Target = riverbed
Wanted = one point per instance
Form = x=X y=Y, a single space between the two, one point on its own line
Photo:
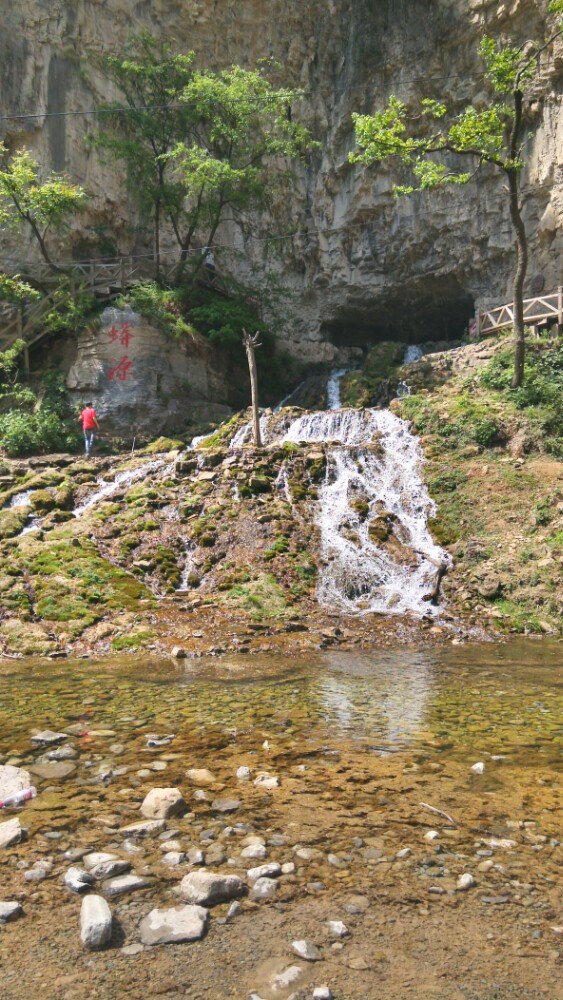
x=348 y=756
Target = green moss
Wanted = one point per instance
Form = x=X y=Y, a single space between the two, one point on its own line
x=278 y=547
x=262 y=597
x=12 y=521
x=133 y=641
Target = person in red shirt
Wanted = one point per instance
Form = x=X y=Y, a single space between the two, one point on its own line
x=89 y=422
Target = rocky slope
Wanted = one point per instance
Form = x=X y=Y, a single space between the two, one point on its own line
x=362 y=264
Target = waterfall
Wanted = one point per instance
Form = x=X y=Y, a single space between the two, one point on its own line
x=412 y=353
x=333 y=388
x=372 y=457
x=123 y=479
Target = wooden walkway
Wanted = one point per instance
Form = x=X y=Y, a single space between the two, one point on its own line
x=542 y=310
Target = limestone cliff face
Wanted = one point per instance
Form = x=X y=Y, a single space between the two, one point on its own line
x=364 y=265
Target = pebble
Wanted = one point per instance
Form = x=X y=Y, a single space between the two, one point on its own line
x=322 y=993
x=243 y=773
x=10 y=832
x=337 y=929
x=265 y=780
x=254 y=851
x=306 y=950
x=150 y=828
x=77 y=880
x=208 y=889
x=288 y=868
x=62 y=753
x=110 y=869
x=170 y=845
x=195 y=856
x=403 y=853
x=162 y=803
x=159 y=765
x=264 y=888
x=200 y=776
x=226 y=805
x=132 y=949
x=74 y=854
x=47 y=737
x=465 y=881
x=95 y=922
x=180 y=923
x=96 y=858
x=124 y=884
x=478 y=768
x=269 y=870
x=10 y=910
x=173 y=858
x=54 y=770
x=431 y=835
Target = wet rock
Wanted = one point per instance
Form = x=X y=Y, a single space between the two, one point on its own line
x=10 y=832
x=178 y=653
x=54 y=770
x=226 y=805
x=337 y=929
x=161 y=803
x=48 y=737
x=124 y=884
x=208 y=889
x=288 y=868
x=95 y=922
x=110 y=869
x=322 y=993
x=403 y=853
x=180 y=923
x=264 y=888
x=431 y=835
x=306 y=950
x=195 y=856
x=173 y=858
x=269 y=870
x=215 y=855
x=39 y=872
x=257 y=851
x=465 y=881
x=66 y=752
x=478 y=768
x=10 y=910
x=265 y=780
x=243 y=773
x=77 y=880
x=96 y=858
x=200 y=776
x=12 y=781
x=150 y=828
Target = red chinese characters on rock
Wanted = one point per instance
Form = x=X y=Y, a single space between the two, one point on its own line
x=121 y=333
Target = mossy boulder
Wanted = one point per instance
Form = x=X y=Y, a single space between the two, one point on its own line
x=43 y=500
x=27 y=638
x=12 y=521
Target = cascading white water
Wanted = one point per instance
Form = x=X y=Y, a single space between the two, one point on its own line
x=333 y=388
x=412 y=353
x=360 y=576
x=122 y=479
x=244 y=434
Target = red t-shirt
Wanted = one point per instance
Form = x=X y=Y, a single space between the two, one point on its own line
x=88 y=417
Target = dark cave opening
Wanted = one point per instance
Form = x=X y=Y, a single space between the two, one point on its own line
x=429 y=310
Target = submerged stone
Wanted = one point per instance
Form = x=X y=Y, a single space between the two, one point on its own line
x=180 y=923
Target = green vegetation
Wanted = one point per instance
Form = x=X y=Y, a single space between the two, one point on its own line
x=33 y=422
x=262 y=597
x=491 y=136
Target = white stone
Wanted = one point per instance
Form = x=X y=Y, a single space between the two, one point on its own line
x=125 y=884
x=403 y=853
x=466 y=881
x=12 y=781
x=97 y=858
x=180 y=923
x=264 y=888
x=284 y=980
x=170 y=845
x=337 y=929
x=265 y=780
x=47 y=737
x=478 y=768
x=257 y=851
x=270 y=870
x=173 y=858
x=306 y=950
x=110 y=869
x=95 y=922
x=288 y=868
x=162 y=803
x=322 y=993
x=10 y=832
x=10 y=910
x=243 y=773
x=78 y=880
x=208 y=889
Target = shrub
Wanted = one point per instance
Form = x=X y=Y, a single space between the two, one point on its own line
x=486 y=431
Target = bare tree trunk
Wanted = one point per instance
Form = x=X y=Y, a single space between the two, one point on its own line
x=250 y=344
x=521 y=247
x=157 y=240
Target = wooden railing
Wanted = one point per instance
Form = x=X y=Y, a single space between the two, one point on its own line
x=540 y=311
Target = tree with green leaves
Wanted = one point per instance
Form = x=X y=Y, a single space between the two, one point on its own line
x=196 y=143
x=491 y=136
x=41 y=205
x=15 y=291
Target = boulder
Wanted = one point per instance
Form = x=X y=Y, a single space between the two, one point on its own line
x=180 y=923
x=161 y=803
x=95 y=922
x=208 y=889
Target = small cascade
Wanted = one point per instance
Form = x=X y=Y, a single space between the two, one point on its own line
x=21 y=499
x=188 y=568
x=333 y=388
x=373 y=475
x=413 y=352
x=244 y=434
x=122 y=480
x=287 y=399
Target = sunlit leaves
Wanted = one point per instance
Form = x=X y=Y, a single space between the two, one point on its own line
x=13 y=289
x=25 y=197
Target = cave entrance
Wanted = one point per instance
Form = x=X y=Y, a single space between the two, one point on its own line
x=430 y=310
